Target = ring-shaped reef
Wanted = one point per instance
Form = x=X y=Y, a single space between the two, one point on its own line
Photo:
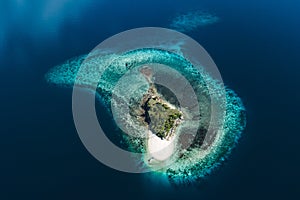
x=197 y=160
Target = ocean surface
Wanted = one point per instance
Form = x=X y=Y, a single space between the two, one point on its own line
x=255 y=45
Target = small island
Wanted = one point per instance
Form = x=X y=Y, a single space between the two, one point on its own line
x=161 y=117
x=153 y=111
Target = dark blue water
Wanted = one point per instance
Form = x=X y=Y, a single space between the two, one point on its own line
x=255 y=45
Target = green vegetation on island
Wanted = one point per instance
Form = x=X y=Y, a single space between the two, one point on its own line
x=160 y=117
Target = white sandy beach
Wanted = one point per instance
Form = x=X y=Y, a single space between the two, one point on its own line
x=158 y=149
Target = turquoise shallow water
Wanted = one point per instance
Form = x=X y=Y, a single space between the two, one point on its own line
x=192 y=165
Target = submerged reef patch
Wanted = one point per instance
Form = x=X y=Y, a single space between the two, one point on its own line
x=192 y=20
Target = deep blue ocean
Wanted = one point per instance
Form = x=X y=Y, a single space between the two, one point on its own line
x=255 y=44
